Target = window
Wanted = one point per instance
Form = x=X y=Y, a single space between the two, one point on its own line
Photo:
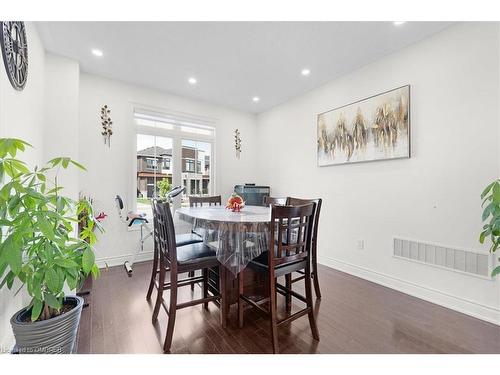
x=166 y=163
x=172 y=151
x=152 y=151
x=189 y=165
x=196 y=175
x=150 y=186
x=151 y=163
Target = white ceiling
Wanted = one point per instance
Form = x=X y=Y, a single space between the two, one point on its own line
x=232 y=61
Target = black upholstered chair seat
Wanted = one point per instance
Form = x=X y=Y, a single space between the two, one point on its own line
x=261 y=263
x=193 y=252
x=187 y=239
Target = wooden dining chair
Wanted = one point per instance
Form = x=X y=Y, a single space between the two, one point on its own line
x=180 y=240
x=274 y=200
x=215 y=200
x=285 y=255
x=177 y=261
x=194 y=201
x=314 y=243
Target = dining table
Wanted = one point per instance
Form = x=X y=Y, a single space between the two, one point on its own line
x=237 y=237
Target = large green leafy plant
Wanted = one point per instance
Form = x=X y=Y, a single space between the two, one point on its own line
x=491 y=218
x=37 y=241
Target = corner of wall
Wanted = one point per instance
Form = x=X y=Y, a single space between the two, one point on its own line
x=22 y=116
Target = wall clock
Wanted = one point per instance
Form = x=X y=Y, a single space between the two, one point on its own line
x=15 y=52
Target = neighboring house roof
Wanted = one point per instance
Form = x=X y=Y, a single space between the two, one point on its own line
x=155 y=151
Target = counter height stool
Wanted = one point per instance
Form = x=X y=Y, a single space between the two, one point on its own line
x=314 y=242
x=185 y=259
x=285 y=255
x=180 y=240
x=215 y=200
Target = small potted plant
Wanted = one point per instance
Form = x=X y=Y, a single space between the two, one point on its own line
x=491 y=218
x=38 y=248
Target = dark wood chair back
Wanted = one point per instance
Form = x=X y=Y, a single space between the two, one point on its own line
x=200 y=201
x=317 y=209
x=164 y=232
x=277 y=201
x=291 y=233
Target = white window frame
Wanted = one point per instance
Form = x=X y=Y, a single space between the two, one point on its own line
x=177 y=119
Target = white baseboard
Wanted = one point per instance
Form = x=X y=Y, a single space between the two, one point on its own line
x=119 y=260
x=465 y=306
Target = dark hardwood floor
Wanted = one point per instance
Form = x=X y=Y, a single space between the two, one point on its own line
x=354 y=316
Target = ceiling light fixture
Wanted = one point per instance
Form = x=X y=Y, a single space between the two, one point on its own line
x=256 y=99
x=192 y=81
x=398 y=23
x=305 y=72
x=97 y=52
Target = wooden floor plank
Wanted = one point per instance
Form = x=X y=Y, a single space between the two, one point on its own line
x=354 y=316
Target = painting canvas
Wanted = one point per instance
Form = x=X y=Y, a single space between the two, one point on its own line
x=376 y=128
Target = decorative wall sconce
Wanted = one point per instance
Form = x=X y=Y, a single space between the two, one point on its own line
x=106 y=122
x=237 y=143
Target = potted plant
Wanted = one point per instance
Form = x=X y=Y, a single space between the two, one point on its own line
x=491 y=217
x=39 y=249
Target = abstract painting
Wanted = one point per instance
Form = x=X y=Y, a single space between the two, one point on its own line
x=375 y=128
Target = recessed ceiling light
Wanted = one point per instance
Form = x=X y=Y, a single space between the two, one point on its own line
x=97 y=52
x=305 y=72
x=192 y=81
x=255 y=99
x=397 y=23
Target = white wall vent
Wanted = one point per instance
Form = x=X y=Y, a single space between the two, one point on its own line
x=465 y=261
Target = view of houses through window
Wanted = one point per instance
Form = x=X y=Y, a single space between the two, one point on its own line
x=157 y=168
x=196 y=158
x=154 y=167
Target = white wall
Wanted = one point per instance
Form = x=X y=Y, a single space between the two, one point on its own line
x=60 y=135
x=434 y=196
x=21 y=116
x=110 y=170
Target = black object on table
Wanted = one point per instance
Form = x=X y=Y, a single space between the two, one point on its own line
x=252 y=194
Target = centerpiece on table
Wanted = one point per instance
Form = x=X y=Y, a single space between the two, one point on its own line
x=235 y=203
